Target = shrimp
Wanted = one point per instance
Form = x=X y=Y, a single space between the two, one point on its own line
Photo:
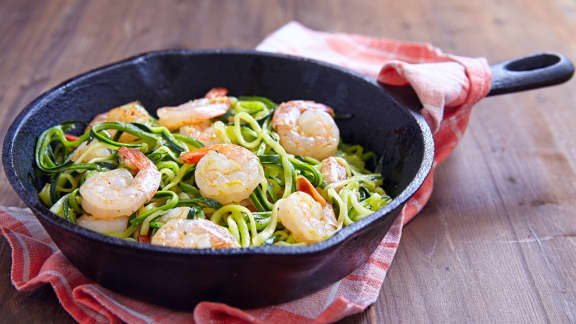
x=193 y=112
x=333 y=170
x=117 y=224
x=225 y=172
x=194 y=233
x=132 y=112
x=85 y=153
x=216 y=93
x=305 y=218
x=116 y=193
x=175 y=213
x=203 y=132
x=306 y=128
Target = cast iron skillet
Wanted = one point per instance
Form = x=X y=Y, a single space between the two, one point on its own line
x=255 y=276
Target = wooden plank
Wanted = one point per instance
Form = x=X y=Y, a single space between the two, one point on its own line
x=495 y=243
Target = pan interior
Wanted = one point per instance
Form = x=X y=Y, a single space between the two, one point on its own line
x=168 y=78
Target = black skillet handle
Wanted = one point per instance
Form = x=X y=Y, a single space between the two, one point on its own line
x=530 y=72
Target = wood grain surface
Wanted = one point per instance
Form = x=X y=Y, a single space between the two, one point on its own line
x=497 y=241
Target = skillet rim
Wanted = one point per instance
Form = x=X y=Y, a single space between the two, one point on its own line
x=338 y=238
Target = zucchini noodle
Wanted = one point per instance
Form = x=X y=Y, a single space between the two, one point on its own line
x=66 y=161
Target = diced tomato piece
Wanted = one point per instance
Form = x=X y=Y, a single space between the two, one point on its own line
x=305 y=186
x=71 y=138
x=144 y=238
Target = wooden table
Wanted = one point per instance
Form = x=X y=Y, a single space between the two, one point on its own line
x=497 y=241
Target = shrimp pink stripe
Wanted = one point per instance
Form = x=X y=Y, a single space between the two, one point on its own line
x=447 y=85
x=137 y=158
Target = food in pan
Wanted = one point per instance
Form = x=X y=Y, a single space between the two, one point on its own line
x=214 y=172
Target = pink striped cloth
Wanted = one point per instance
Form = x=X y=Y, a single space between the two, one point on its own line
x=447 y=85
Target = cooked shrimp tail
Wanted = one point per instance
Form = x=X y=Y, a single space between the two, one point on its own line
x=134 y=159
x=193 y=157
x=216 y=93
x=192 y=112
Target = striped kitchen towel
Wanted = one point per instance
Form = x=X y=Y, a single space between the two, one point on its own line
x=448 y=86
